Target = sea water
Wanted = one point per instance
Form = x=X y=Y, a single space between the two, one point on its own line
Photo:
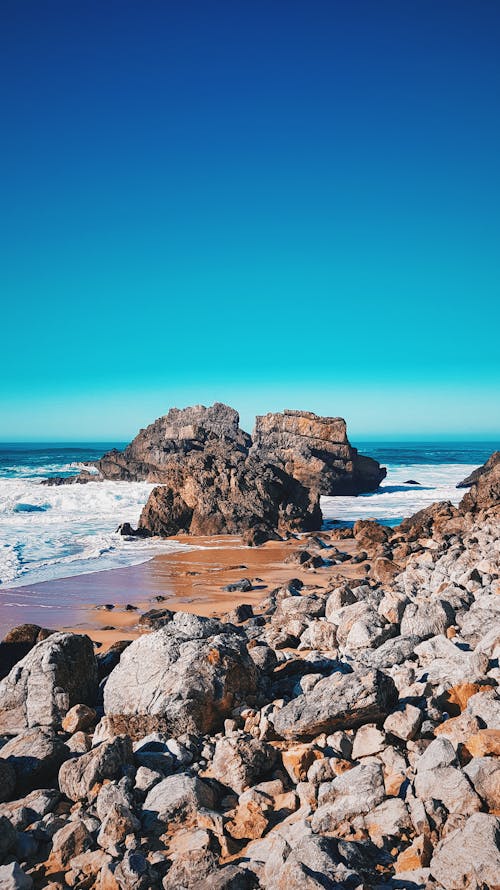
x=49 y=532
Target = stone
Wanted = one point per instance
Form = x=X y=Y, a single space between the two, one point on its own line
x=118 y=823
x=133 y=872
x=12 y=877
x=56 y=674
x=368 y=740
x=178 y=798
x=404 y=723
x=78 y=776
x=352 y=794
x=469 y=856
x=426 y=619
x=484 y=773
x=79 y=717
x=316 y=451
x=240 y=760
x=448 y=785
x=297 y=760
x=71 y=840
x=249 y=820
x=486 y=741
x=35 y=756
x=485 y=490
x=388 y=821
x=166 y=681
x=8 y=836
x=341 y=701
x=417 y=855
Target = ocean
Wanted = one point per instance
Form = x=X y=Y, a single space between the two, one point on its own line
x=58 y=532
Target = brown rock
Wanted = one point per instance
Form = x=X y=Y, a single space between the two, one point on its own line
x=249 y=821
x=316 y=451
x=71 y=840
x=297 y=760
x=486 y=741
x=418 y=855
x=79 y=717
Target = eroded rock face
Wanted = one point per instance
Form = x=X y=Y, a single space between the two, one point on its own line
x=485 y=492
x=56 y=674
x=316 y=451
x=185 y=677
x=223 y=491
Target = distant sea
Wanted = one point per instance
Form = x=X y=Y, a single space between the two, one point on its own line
x=55 y=532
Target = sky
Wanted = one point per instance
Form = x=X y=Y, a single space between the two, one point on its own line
x=270 y=203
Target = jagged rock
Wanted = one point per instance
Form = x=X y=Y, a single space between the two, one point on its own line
x=427 y=619
x=239 y=761
x=71 y=840
x=12 y=877
x=34 y=806
x=170 y=682
x=369 y=534
x=352 y=794
x=404 y=723
x=78 y=776
x=337 y=702
x=484 y=469
x=316 y=451
x=204 y=495
x=484 y=773
x=469 y=856
x=485 y=492
x=433 y=518
x=56 y=674
x=35 y=755
x=178 y=798
x=388 y=821
x=117 y=824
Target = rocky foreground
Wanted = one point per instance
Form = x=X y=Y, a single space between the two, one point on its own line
x=340 y=737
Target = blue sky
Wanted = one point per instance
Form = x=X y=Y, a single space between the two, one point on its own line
x=274 y=204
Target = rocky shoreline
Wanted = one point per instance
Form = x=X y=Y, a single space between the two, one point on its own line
x=338 y=737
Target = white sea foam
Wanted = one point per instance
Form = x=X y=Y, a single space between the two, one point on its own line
x=394 y=500
x=53 y=532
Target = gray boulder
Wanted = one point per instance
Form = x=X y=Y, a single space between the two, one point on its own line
x=169 y=682
x=35 y=755
x=341 y=701
x=107 y=761
x=469 y=856
x=56 y=674
x=178 y=798
x=239 y=761
x=12 y=877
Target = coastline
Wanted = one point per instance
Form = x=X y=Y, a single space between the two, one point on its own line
x=188 y=580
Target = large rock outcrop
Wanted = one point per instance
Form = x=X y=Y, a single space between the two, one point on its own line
x=219 y=491
x=316 y=451
x=493 y=461
x=215 y=481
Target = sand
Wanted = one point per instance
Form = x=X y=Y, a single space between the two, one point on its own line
x=189 y=580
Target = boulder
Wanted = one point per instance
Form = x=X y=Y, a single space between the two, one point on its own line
x=178 y=798
x=316 y=451
x=469 y=856
x=352 y=794
x=240 y=760
x=337 y=702
x=12 y=877
x=174 y=681
x=35 y=756
x=78 y=776
x=57 y=673
x=483 y=470
x=485 y=492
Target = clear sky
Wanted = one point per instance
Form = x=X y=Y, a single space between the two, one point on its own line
x=273 y=203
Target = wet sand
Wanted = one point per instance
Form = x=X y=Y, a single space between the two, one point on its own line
x=189 y=579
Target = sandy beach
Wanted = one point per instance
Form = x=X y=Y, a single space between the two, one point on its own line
x=191 y=580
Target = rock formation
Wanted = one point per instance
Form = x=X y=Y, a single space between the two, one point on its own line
x=493 y=461
x=217 y=482
x=316 y=451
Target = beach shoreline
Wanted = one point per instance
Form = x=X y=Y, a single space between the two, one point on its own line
x=190 y=580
